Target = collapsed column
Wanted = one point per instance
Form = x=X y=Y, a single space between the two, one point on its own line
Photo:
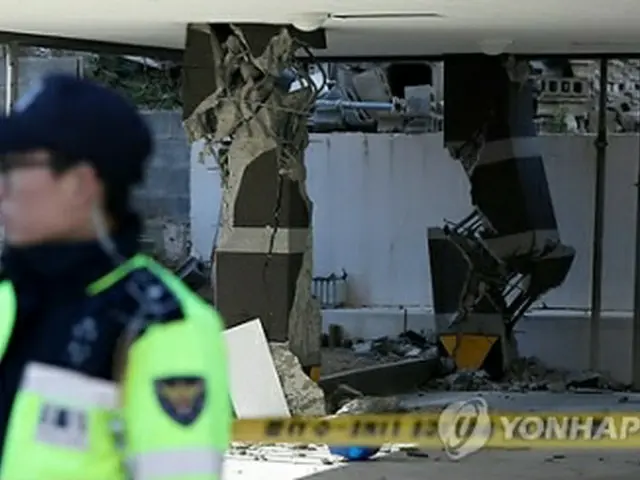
x=488 y=269
x=236 y=96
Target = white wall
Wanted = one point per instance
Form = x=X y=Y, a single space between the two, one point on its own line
x=376 y=194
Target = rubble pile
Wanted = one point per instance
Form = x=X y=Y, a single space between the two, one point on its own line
x=527 y=374
x=406 y=345
x=358 y=353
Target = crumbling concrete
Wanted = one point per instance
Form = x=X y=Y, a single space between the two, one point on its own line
x=527 y=375
x=341 y=396
x=372 y=405
x=383 y=366
x=510 y=242
x=236 y=98
x=350 y=354
x=413 y=362
x=303 y=395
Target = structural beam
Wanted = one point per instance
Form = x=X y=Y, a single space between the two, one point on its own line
x=598 y=220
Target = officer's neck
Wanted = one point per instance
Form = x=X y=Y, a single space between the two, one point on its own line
x=73 y=262
x=89 y=231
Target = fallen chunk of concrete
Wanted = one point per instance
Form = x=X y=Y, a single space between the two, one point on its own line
x=593 y=380
x=372 y=405
x=340 y=397
x=303 y=395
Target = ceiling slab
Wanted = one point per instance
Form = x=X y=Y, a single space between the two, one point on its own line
x=355 y=28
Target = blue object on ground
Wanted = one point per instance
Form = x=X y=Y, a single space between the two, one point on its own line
x=354 y=454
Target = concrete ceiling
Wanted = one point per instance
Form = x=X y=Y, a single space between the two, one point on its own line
x=375 y=28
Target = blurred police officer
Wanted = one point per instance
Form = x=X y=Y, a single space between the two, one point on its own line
x=93 y=334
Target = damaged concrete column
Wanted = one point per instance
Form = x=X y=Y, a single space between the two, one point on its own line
x=236 y=96
x=489 y=268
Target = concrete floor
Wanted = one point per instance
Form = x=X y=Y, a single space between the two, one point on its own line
x=595 y=401
x=286 y=463
x=491 y=464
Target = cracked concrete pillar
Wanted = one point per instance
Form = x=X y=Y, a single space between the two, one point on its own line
x=235 y=96
x=489 y=268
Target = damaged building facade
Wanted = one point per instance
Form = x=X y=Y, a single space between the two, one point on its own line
x=264 y=239
x=239 y=99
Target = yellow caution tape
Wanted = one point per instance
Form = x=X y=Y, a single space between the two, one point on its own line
x=340 y=430
x=429 y=430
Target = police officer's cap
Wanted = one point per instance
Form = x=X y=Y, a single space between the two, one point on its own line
x=82 y=121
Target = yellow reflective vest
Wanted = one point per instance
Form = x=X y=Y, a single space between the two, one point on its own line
x=168 y=418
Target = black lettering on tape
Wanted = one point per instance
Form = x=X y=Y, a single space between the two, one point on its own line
x=355 y=429
x=373 y=428
x=274 y=428
x=396 y=428
x=322 y=428
x=362 y=428
x=297 y=428
x=425 y=428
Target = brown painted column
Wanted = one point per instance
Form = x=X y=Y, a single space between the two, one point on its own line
x=263 y=258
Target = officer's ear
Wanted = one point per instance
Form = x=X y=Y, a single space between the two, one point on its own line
x=83 y=184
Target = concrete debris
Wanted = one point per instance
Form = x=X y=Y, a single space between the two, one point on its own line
x=371 y=405
x=594 y=380
x=279 y=452
x=413 y=451
x=358 y=353
x=526 y=375
x=342 y=395
x=303 y=395
x=467 y=381
x=407 y=345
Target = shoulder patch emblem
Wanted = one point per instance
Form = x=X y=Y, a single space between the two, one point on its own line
x=182 y=398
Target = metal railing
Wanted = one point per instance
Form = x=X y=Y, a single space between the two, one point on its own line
x=331 y=291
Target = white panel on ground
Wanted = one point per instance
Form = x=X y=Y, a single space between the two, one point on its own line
x=255 y=388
